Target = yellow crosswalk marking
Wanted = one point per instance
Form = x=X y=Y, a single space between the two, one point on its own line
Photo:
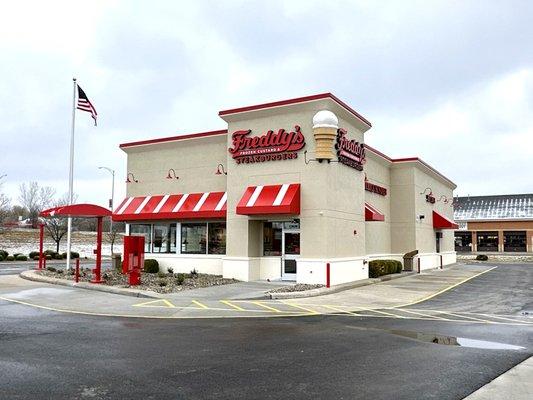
x=152 y=303
x=200 y=304
x=423 y=315
x=226 y=302
x=258 y=303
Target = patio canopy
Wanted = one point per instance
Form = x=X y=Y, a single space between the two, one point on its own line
x=76 y=210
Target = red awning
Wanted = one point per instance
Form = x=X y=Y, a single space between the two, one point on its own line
x=173 y=206
x=76 y=210
x=372 y=213
x=441 y=222
x=273 y=199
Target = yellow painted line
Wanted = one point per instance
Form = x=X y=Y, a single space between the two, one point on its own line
x=341 y=310
x=236 y=307
x=167 y=304
x=200 y=305
x=462 y=316
x=258 y=303
x=445 y=289
x=497 y=317
x=310 y=311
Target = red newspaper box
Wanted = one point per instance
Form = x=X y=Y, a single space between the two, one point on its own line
x=133 y=258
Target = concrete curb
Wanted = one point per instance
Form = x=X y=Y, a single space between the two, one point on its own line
x=33 y=276
x=337 y=288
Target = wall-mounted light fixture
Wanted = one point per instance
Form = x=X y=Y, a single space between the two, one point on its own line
x=220 y=170
x=426 y=189
x=131 y=178
x=172 y=174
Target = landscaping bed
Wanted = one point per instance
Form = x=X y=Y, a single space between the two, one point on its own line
x=156 y=282
x=299 y=287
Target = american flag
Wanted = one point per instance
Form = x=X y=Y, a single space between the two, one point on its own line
x=85 y=105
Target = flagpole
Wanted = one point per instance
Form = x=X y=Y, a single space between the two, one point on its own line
x=71 y=170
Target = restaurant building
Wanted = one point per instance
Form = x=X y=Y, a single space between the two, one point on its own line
x=288 y=188
x=502 y=223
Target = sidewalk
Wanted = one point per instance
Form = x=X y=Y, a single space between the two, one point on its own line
x=515 y=384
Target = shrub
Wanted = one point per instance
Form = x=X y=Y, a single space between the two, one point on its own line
x=21 y=257
x=50 y=252
x=162 y=283
x=16 y=255
x=48 y=256
x=161 y=274
x=10 y=258
x=482 y=257
x=4 y=254
x=180 y=279
x=377 y=268
x=73 y=255
x=170 y=270
x=194 y=273
x=35 y=258
x=51 y=269
x=33 y=254
x=1 y=257
x=151 y=266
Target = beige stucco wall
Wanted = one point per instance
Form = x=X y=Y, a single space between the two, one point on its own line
x=194 y=160
x=332 y=202
x=378 y=233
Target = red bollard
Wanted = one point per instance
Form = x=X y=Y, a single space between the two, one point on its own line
x=328 y=275
x=41 y=239
x=77 y=276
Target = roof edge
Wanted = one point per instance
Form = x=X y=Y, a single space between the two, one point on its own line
x=174 y=138
x=296 y=100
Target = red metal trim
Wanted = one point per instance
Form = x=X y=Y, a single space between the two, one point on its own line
x=41 y=239
x=174 y=138
x=296 y=101
x=328 y=275
x=407 y=159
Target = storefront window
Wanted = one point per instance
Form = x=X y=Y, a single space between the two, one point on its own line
x=193 y=238
x=463 y=241
x=487 y=241
x=217 y=238
x=272 y=238
x=515 y=241
x=142 y=230
x=164 y=238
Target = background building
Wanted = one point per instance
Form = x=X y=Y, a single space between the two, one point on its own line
x=502 y=223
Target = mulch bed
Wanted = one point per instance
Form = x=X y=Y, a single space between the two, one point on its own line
x=299 y=287
x=159 y=282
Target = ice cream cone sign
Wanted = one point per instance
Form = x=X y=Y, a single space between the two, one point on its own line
x=325 y=125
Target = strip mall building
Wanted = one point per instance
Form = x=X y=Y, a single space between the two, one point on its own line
x=289 y=187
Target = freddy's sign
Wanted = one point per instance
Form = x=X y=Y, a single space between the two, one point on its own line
x=349 y=152
x=271 y=146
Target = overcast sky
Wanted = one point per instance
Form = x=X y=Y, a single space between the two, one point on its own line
x=450 y=82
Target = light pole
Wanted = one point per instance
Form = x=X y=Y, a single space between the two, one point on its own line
x=112 y=202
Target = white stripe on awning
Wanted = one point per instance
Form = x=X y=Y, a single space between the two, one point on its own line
x=126 y=204
x=221 y=202
x=255 y=195
x=180 y=203
x=141 y=206
x=201 y=202
x=281 y=194
x=161 y=203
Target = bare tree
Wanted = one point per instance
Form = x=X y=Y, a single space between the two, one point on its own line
x=4 y=205
x=35 y=199
x=57 y=227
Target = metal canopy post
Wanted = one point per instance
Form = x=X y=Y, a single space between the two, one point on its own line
x=98 y=251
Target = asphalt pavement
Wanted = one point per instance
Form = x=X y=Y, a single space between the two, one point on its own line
x=48 y=354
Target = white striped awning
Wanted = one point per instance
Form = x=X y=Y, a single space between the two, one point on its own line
x=172 y=206
x=272 y=199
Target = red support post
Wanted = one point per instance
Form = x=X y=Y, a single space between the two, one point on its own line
x=77 y=276
x=41 y=239
x=328 y=275
x=98 y=267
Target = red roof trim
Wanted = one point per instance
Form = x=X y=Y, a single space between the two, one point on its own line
x=407 y=159
x=296 y=101
x=173 y=138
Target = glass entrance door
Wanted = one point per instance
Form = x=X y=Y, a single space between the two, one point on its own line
x=291 y=252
